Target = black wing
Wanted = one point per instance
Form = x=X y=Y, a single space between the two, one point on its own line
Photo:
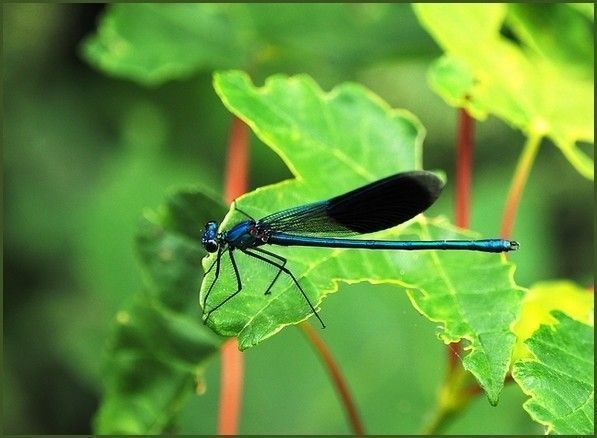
x=377 y=206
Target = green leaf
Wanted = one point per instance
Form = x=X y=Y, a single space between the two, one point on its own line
x=539 y=302
x=337 y=36
x=156 y=358
x=452 y=79
x=587 y=9
x=334 y=142
x=159 y=347
x=537 y=24
x=169 y=246
x=534 y=87
x=152 y=43
x=560 y=377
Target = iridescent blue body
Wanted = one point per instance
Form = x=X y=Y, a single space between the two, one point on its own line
x=484 y=245
x=373 y=207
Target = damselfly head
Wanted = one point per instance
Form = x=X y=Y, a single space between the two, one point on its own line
x=210 y=237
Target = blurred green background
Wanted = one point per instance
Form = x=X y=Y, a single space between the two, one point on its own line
x=85 y=154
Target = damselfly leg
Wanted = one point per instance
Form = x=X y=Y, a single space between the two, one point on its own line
x=268 y=291
x=221 y=252
x=282 y=268
x=239 y=286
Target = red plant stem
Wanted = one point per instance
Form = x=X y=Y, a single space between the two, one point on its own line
x=454 y=350
x=523 y=168
x=336 y=375
x=231 y=378
x=231 y=388
x=237 y=163
x=464 y=164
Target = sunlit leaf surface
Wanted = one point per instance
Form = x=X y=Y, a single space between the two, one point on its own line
x=542 y=84
x=545 y=297
x=333 y=142
x=560 y=378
